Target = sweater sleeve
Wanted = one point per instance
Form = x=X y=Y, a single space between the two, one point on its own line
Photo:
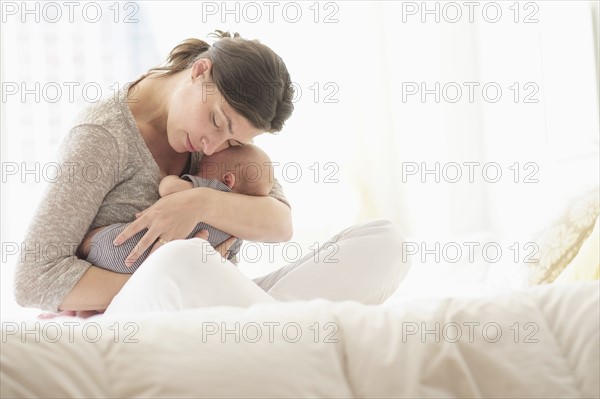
x=48 y=269
x=277 y=193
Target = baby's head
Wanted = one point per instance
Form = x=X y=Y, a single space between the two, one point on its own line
x=244 y=169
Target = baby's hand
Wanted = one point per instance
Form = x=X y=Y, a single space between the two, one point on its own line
x=172 y=184
x=222 y=248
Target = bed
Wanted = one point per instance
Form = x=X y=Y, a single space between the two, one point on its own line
x=535 y=342
x=451 y=330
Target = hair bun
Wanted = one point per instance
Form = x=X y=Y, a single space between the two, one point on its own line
x=220 y=34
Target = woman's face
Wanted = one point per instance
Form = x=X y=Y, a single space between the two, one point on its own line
x=199 y=119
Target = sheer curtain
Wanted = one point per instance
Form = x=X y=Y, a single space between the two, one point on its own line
x=53 y=64
x=362 y=143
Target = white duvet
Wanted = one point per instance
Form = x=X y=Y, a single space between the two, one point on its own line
x=541 y=342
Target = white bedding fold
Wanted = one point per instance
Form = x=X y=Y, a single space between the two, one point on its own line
x=548 y=347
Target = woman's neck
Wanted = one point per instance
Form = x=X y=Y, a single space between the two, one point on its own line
x=149 y=104
x=149 y=101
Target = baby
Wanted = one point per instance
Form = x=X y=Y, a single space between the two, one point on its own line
x=240 y=169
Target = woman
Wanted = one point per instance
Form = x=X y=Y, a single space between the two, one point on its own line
x=203 y=100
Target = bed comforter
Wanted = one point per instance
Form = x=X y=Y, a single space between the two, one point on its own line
x=541 y=342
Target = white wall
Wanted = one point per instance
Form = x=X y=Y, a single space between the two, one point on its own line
x=369 y=134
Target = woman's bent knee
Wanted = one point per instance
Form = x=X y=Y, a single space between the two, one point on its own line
x=181 y=274
x=178 y=256
x=390 y=252
x=387 y=231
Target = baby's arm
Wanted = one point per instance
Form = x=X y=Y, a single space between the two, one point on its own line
x=168 y=185
x=98 y=249
x=84 y=248
x=172 y=184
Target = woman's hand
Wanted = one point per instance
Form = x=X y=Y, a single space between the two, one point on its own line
x=172 y=217
x=84 y=314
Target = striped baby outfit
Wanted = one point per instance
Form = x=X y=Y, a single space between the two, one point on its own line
x=110 y=257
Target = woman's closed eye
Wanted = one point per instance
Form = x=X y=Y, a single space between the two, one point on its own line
x=215 y=122
x=230 y=142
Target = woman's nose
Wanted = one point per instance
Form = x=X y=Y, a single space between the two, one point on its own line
x=208 y=147
x=212 y=146
x=207 y=150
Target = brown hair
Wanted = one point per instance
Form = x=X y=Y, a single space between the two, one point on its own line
x=250 y=76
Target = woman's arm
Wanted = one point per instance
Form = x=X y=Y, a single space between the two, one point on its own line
x=48 y=268
x=94 y=290
x=252 y=218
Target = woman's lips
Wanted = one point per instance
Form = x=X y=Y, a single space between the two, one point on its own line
x=190 y=147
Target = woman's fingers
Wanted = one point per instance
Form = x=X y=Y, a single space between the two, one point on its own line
x=160 y=241
x=145 y=242
x=164 y=221
x=148 y=240
x=71 y=313
x=132 y=229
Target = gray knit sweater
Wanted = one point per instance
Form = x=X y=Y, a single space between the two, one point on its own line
x=107 y=175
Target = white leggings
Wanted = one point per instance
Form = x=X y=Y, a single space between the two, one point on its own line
x=361 y=263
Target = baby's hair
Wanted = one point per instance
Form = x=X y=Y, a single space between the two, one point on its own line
x=251 y=166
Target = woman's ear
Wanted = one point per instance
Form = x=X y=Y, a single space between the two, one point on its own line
x=201 y=67
x=229 y=180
